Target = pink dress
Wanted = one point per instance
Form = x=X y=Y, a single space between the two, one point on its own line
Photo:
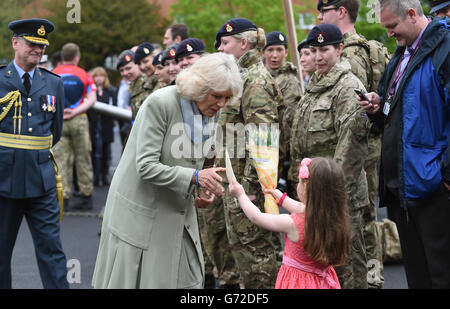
x=298 y=270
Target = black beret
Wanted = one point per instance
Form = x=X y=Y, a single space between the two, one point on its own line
x=34 y=30
x=125 y=57
x=188 y=47
x=325 y=34
x=235 y=26
x=276 y=38
x=158 y=58
x=303 y=44
x=145 y=49
x=326 y=3
x=437 y=5
x=169 y=53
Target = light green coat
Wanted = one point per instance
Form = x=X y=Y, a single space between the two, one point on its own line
x=150 y=235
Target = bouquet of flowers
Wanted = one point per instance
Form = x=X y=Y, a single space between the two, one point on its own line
x=264 y=151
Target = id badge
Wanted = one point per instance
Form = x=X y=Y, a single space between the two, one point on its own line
x=387 y=108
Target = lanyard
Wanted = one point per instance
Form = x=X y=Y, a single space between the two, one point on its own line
x=399 y=74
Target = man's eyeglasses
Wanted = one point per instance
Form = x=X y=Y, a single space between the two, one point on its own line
x=323 y=11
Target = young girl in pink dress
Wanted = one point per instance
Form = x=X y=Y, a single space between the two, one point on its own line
x=316 y=232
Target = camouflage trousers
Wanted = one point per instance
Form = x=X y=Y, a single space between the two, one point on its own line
x=209 y=266
x=75 y=145
x=371 y=233
x=256 y=251
x=241 y=251
x=353 y=275
x=215 y=243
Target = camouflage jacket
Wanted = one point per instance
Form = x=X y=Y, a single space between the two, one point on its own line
x=358 y=58
x=159 y=85
x=286 y=79
x=361 y=66
x=259 y=104
x=330 y=123
x=139 y=90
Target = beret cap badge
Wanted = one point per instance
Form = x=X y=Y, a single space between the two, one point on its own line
x=41 y=31
x=146 y=50
x=281 y=37
x=228 y=28
x=172 y=53
x=128 y=58
x=189 y=48
x=320 y=38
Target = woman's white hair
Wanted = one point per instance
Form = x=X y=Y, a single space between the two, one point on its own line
x=216 y=72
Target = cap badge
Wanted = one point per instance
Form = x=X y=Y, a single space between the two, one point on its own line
x=127 y=58
x=189 y=48
x=325 y=1
x=228 y=28
x=172 y=53
x=281 y=37
x=160 y=58
x=41 y=31
x=320 y=38
x=146 y=51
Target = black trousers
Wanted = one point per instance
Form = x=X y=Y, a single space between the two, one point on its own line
x=424 y=232
x=42 y=215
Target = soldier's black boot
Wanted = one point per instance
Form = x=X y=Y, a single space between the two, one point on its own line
x=84 y=204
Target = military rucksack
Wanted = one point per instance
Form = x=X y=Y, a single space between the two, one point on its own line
x=379 y=59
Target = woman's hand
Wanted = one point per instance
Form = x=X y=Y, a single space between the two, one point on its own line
x=371 y=107
x=204 y=199
x=277 y=194
x=209 y=179
x=236 y=189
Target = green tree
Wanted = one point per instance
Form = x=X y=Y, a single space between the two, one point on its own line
x=10 y=10
x=205 y=17
x=368 y=25
x=106 y=28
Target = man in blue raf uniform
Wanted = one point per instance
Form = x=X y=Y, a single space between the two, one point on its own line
x=31 y=117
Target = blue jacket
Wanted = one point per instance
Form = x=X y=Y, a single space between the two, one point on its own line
x=30 y=173
x=416 y=132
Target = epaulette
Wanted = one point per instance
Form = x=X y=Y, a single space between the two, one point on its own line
x=48 y=71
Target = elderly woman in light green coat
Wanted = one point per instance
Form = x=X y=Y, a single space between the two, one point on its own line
x=150 y=235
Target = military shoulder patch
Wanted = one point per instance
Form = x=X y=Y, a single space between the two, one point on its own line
x=48 y=71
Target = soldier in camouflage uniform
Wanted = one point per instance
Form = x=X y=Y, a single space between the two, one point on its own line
x=255 y=250
x=329 y=123
x=363 y=67
x=158 y=72
x=285 y=74
x=142 y=87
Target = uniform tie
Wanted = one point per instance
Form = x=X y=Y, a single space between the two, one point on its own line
x=26 y=82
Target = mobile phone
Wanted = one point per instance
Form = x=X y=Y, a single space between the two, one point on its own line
x=361 y=95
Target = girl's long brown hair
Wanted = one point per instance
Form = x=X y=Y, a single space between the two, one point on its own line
x=327 y=226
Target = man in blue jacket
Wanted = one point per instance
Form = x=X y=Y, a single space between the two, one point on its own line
x=412 y=108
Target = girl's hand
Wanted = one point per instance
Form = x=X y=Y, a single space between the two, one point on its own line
x=277 y=194
x=236 y=189
x=205 y=199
